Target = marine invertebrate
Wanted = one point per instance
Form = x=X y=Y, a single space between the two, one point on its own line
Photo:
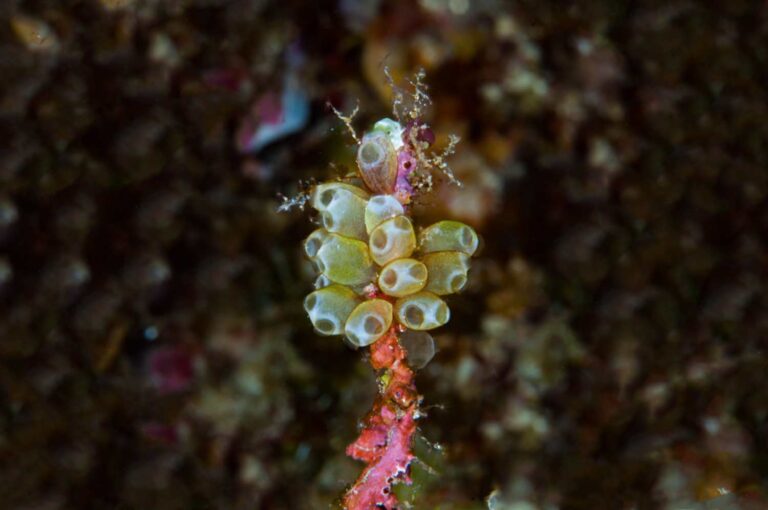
x=379 y=278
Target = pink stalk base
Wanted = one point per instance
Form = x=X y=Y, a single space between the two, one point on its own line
x=384 y=444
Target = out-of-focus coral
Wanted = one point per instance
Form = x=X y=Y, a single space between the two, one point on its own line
x=276 y=114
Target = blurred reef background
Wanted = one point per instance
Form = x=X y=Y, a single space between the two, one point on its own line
x=609 y=350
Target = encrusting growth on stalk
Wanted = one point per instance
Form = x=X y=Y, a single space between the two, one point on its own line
x=380 y=277
x=384 y=443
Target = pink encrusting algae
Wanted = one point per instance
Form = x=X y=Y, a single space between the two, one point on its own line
x=406 y=164
x=384 y=443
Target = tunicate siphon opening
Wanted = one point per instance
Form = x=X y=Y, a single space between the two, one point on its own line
x=310 y=302
x=371 y=153
x=418 y=271
x=353 y=339
x=389 y=278
x=372 y=325
x=414 y=315
x=326 y=197
x=322 y=281
x=458 y=282
x=419 y=347
x=379 y=239
x=312 y=246
x=325 y=326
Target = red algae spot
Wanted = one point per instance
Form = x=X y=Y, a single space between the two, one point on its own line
x=171 y=369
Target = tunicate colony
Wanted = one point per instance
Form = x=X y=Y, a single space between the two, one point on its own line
x=375 y=271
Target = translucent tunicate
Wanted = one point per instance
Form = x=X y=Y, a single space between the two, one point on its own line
x=377 y=162
x=322 y=281
x=419 y=346
x=391 y=240
x=319 y=198
x=368 y=322
x=393 y=130
x=381 y=208
x=402 y=277
x=314 y=241
x=447 y=271
x=345 y=260
x=329 y=308
x=422 y=311
x=341 y=210
x=448 y=236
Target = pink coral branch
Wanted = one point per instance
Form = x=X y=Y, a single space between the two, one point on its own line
x=385 y=442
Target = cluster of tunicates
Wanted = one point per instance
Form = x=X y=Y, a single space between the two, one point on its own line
x=375 y=271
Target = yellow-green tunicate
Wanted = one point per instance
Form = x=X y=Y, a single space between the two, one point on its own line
x=368 y=322
x=322 y=194
x=329 y=308
x=392 y=239
x=314 y=241
x=341 y=211
x=345 y=260
x=380 y=208
x=402 y=277
x=447 y=271
x=422 y=311
x=448 y=236
x=322 y=281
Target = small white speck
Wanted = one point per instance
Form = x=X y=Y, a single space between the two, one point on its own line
x=151 y=333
